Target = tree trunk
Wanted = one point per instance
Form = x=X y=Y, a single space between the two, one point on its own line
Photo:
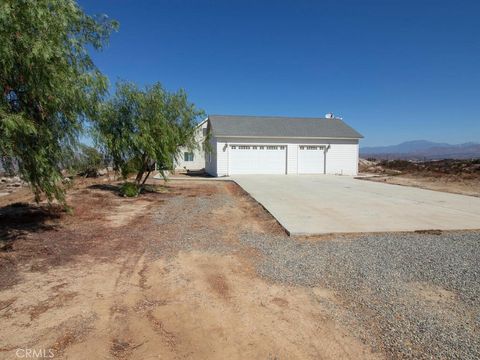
x=139 y=176
x=146 y=177
x=140 y=173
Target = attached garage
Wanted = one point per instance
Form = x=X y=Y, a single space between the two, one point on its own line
x=280 y=145
x=311 y=159
x=257 y=159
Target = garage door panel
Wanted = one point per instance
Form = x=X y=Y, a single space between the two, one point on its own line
x=311 y=159
x=257 y=159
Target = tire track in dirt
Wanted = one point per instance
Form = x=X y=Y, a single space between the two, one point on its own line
x=164 y=283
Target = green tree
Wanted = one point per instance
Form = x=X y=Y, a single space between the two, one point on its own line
x=49 y=85
x=89 y=161
x=140 y=128
x=84 y=161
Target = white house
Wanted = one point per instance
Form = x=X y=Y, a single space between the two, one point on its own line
x=193 y=160
x=278 y=145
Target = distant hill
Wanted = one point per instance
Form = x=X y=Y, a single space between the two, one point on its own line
x=423 y=149
x=405 y=147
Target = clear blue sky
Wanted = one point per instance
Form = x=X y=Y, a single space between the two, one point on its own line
x=394 y=70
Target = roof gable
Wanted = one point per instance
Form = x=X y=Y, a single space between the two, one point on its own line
x=277 y=126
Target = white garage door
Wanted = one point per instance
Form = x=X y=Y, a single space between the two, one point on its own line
x=310 y=159
x=257 y=159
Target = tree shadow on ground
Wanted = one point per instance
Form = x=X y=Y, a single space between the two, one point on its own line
x=106 y=187
x=146 y=189
x=198 y=173
x=19 y=219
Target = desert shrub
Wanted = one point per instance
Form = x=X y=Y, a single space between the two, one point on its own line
x=82 y=160
x=90 y=162
x=401 y=165
x=129 y=189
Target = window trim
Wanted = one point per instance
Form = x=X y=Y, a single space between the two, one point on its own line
x=312 y=147
x=188 y=156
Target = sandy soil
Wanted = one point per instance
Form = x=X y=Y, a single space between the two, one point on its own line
x=110 y=282
x=441 y=183
x=20 y=194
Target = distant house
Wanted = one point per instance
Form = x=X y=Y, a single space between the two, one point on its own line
x=277 y=145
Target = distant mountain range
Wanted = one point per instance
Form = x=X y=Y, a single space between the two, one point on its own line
x=423 y=149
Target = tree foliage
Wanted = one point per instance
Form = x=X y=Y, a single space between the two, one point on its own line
x=139 y=128
x=49 y=85
x=84 y=160
x=91 y=161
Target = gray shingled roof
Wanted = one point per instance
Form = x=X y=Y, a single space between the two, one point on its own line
x=277 y=126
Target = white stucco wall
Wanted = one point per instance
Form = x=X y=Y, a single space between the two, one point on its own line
x=341 y=158
x=211 y=158
x=198 y=154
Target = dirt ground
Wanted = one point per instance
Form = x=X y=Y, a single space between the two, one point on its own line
x=448 y=184
x=144 y=278
x=453 y=176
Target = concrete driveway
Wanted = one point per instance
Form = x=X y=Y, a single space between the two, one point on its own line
x=319 y=204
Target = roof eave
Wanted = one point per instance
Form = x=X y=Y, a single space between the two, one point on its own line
x=202 y=122
x=290 y=137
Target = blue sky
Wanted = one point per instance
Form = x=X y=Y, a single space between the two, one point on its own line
x=394 y=70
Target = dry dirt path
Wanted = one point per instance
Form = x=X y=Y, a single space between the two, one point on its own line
x=162 y=276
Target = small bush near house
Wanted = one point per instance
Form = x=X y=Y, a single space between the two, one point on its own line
x=129 y=189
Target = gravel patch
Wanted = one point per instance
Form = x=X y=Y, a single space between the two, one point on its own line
x=181 y=225
x=409 y=295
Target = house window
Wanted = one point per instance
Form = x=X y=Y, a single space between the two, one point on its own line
x=205 y=131
x=188 y=156
x=309 y=147
x=272 y=147
x=242 y=147
x=233 y=147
